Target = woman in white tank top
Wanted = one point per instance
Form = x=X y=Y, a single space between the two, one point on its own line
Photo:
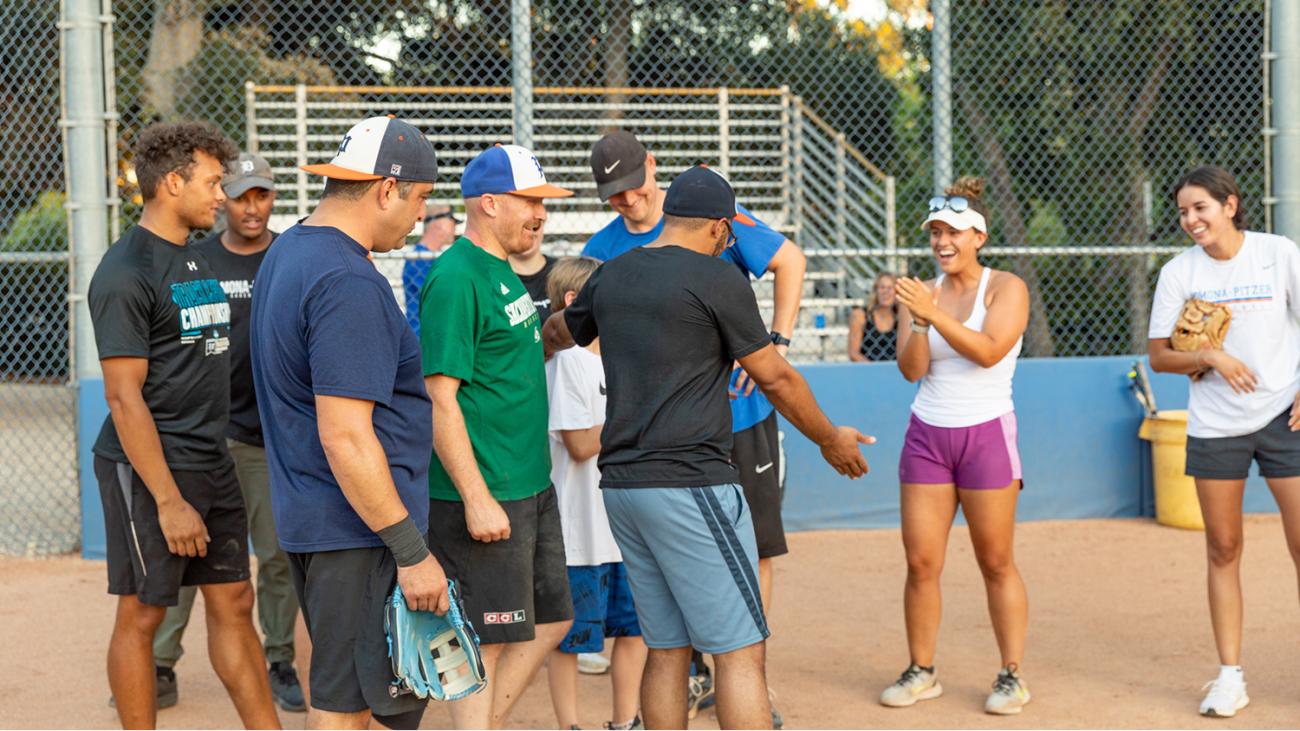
x=959 y=335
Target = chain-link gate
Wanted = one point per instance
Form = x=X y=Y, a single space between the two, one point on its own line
x=1078 y=115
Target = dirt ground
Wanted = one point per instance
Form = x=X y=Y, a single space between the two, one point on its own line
x=1119 y=637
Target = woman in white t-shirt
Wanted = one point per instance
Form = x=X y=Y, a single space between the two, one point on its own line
x=959 y=335
x=1246 y=405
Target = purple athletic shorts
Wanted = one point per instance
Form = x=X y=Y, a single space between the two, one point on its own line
x=979 y=457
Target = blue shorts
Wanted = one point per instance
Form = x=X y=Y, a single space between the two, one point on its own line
x=602 y=607
x=692 y=563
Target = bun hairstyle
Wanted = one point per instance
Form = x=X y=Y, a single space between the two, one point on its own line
x=1219 y=183
x=972 y=189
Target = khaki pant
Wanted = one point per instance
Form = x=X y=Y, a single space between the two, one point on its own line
x=277 y=606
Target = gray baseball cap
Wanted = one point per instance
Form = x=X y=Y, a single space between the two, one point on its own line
x=618 y=163
x=248 y=171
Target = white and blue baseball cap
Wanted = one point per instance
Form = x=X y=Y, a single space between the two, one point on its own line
x=381 y=147
x=508 y=169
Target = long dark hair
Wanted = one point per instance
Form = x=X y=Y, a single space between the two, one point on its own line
x=1219 y=183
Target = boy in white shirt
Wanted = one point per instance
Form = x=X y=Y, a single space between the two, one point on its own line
x=602 y=599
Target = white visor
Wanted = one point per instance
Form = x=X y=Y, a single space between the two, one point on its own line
x=969 y=218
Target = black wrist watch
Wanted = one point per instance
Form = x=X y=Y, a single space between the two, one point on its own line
x=779 y=339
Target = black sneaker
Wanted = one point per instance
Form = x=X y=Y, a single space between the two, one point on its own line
x=285 y=687
x=166 y=694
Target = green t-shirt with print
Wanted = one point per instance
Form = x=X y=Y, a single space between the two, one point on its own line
x=478 y=324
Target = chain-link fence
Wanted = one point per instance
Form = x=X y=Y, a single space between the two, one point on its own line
x=822 y=112
x=39 y=512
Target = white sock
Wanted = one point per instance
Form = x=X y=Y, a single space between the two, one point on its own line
x=1232 y=673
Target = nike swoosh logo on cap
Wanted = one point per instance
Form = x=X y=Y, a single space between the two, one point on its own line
x=610 y=169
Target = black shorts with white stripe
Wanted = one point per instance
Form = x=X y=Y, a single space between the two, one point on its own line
x=139 y=561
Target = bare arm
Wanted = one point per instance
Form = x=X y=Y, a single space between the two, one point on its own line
x=787 y=265
x=181 y=524
x=360 y=467
x=1165 y=359
x=789 y=393
x=582 y=444
x=913 y=348
x=484 y=517
x=857 y=324
x=1008 y=315
x=555 y=335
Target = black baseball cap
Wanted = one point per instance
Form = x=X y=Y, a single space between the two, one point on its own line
x=381 y=147
x=618 y=163
x=702 y=192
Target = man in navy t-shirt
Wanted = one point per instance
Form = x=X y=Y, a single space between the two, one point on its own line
x=346 y=419
x=625 y=178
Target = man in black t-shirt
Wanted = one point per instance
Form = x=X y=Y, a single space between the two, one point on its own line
x=234 y=255
x=672 y=318
x=533 y=268
x=173 y=512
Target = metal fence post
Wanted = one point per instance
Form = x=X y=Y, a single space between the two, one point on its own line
x=250 y=117
x=891 y=225
x=941 y=76
x=796 y=167
x=85 y=179
x=786 y=149
x=1286 y=119
x=300 y=116
x=841 y=191
x=521 y=69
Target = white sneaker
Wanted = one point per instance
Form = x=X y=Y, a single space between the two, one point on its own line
x=915 y=684
x=1225 y=698
x=592 y=663
x=1010 y=694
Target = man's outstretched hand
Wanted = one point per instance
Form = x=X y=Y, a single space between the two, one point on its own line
x=843 y=453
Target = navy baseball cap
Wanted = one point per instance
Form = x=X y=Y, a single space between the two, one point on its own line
x=381 y=147
x=702 y=192
x=508 y=169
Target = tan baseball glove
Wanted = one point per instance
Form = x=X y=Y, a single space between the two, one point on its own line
x=1200 y=325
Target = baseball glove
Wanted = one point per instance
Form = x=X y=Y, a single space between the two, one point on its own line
x=1201 y=325
x=433 y=657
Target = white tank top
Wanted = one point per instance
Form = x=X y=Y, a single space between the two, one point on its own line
x=956 y=392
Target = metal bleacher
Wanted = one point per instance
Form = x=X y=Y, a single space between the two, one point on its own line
x=790 y=168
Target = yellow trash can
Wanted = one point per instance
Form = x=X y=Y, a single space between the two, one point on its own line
x=1176 y=501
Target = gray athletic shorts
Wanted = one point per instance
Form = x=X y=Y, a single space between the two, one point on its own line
x=1275 y=447
x=692 y=563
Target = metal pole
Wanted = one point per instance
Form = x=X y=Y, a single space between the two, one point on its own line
x=250 y=118
x=300 y=112
x=1286 y=119
x=86 y=173
x=521 y=69
x=941 y=80
x=796 y=169
x=724 y=133
x=1267 y=67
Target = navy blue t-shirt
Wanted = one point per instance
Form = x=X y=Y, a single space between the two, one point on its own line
x=325 y=323
x=756 y=244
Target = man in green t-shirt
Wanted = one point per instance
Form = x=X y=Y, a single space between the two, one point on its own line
x=494 y=523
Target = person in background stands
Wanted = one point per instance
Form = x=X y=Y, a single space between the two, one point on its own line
x=871 y=328
x=439 y=233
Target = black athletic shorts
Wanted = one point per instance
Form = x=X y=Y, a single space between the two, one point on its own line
x=756 y=452
x=508 y=587
x=342 y=594
x=1275 y=447
x=139 y=562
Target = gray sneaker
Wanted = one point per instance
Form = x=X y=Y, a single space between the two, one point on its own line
x=1010 y=694
x=636 y=724
x=166 y=694
x=285 y=687
x=915 y=684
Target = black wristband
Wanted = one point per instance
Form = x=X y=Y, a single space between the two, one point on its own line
x=405 y=541
x=779 y=339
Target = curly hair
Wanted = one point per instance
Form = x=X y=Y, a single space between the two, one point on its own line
x=169 y=147
x=972 y=189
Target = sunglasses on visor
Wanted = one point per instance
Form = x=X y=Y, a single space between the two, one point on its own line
x=954 y=203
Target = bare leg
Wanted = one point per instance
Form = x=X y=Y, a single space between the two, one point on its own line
x=663 y=688
x=741 y=685
x=318 y=719
x=1221 y=508
x=236 y=653
x=927 y=512
x=991 y=515
x=562 y=677
x=765 y=584
x=1286 y=491
x=130 y=661
x=519 y=663
x=475 y=711
x=626 y=669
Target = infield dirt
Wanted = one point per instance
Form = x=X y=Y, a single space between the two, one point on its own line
x=1119 y=637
